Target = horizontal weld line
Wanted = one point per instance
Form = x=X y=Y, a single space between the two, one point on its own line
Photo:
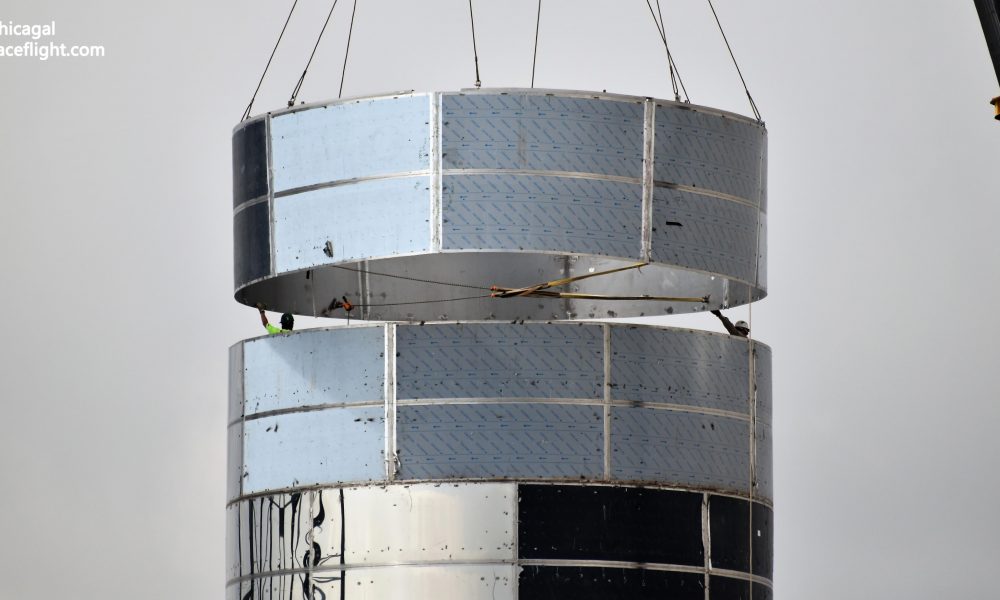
x=545 y=173
x=251 y=202
x=475 y=401
x=446 y=401
x=704 y=192
x=527 y=562
x=303 y=409
x=355 y=567
x=741 y=575
x=353 y=180
x=575 y=481
x=610 y=564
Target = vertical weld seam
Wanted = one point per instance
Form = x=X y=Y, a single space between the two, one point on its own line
x=515 y=585
x=607 y=401
x=648 y=133
x=270 y=196
x=364 y=289
x=243 y=416
x=390 y=401
x=435 y=168
x=706 y=542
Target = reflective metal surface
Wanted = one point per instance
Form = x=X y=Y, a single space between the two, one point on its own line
x=508 y=540
x=499 y=187
x=487 y=400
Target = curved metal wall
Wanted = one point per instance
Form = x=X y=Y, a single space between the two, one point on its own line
x=499 y=457
x=498 y=540
x=498 y=187
x=554 y=402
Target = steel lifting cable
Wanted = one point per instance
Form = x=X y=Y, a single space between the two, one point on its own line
x=417 y=279
x=246 y=113
x=347 y=50
x=534 y=58
x=475 y=53
x=671 y=65
x=302 y=78
x=753 y=105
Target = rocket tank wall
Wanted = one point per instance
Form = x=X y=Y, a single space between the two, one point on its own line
x=517 y=453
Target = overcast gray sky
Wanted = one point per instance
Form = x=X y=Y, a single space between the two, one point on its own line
x=117 y=278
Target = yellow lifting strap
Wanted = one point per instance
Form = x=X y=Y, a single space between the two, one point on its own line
x=541 y=290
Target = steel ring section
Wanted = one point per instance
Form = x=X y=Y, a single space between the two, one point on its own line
x=504 y=187
x=486 y=400
x=498 y=540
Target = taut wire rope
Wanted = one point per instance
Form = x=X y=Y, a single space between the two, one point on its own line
x=534 y=58
x=753 y=105
x=671 y=64
x=475 y=53
x=347 y=51
x=246 y=113
x=302 y=78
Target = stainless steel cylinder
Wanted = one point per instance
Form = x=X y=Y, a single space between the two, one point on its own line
x=489 y=460
x=398 y=200
x=499 y=457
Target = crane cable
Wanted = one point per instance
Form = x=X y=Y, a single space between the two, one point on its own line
x=246 y=113
x=534 y=58
x=753 y=105
x=475 y=53
x=671 y=65
x=302 y=78
x=347 y=51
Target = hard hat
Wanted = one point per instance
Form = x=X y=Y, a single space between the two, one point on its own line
x=287 y=320
x=742 y=325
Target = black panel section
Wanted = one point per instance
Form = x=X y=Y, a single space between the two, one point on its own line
x=762 y=592
x=592 y=583
x=610 y=523
x=251 y=243
x=727 y=588
x=763 y=542
x=729 y=520
x=249 y=162
x=732 y=537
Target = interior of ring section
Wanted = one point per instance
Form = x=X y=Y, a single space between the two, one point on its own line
x=456 y=286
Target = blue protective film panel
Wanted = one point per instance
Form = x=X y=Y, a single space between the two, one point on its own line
x=548 y=133
x=351 y=140
x=328 y=446
x=363 y=220
x=705 y=233
x=524 y=212
x=706 y=151
x=664 y=366
x=680 y=448
x=500 y=440
x=499 y=361
x=314 y=367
